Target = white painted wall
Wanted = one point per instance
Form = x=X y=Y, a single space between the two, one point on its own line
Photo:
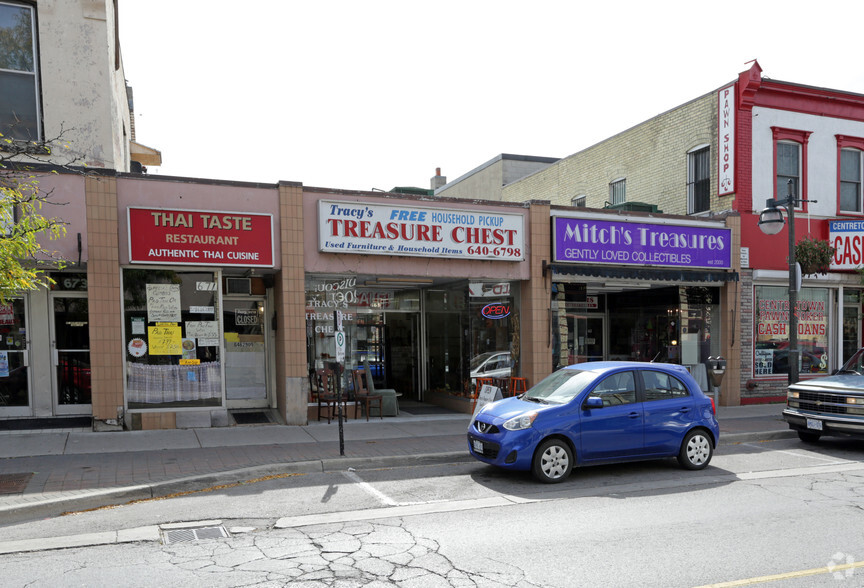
x=821 y=156
x=81 y=90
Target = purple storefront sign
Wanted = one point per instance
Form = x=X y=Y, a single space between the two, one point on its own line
x=625 y=243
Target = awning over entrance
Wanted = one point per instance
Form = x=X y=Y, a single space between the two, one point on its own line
x=645 y=273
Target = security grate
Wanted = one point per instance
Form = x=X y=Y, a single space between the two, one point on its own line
x=14 y=483
x=186 y=535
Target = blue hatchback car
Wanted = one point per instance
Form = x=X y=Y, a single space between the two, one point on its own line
x=598 y=412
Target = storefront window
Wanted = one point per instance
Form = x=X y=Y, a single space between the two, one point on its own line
x=14 y=390
x=771 y=309
x=674 y=325
x=172 y=339
x=385 y=323
x=380 y=322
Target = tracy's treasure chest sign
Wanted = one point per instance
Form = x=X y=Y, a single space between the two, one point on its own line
x=593 y=240
x=354 y=227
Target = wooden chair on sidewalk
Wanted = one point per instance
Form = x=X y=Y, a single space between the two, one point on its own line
x=327 y=398
x=362 y=395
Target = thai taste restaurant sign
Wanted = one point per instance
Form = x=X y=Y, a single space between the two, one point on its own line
x=376 y=229
x=197 y=237
x=726 y=140
x=628 y=243
x=847 y=238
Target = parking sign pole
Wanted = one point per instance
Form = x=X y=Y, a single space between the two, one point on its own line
x=340 y=359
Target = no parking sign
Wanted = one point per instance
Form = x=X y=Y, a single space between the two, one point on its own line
x=340 y=347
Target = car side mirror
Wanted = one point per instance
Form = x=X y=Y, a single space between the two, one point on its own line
x=594 y=402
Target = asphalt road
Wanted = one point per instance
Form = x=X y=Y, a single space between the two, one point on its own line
x=760 y=510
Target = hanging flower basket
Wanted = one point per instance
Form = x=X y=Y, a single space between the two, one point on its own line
x=814 y=256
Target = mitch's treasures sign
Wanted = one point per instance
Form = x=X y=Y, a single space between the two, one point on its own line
x=199 y=237
x=590 y=240
x=377 y=229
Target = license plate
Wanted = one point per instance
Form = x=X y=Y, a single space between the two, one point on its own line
x=478 y=446
x=814 y=424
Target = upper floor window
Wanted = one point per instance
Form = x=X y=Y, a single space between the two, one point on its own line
x=579 y=201
x=788 y=168
x=790 y=163
x=698 y=180
x=19 y=98
x=850 y=165
x=850 y=180
x=618 y=192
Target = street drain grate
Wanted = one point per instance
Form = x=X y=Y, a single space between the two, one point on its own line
x=14 y=483
x=186 y=535
x=251 y=418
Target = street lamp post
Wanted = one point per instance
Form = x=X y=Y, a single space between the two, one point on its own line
x=771 y=223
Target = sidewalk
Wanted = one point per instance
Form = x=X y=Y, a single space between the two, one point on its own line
x=47 y=473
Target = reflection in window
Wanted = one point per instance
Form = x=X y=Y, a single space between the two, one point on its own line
x=616 y=389
x=661 y=386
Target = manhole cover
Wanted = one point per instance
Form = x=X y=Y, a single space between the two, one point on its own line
x=185 y=535
x=14 y=483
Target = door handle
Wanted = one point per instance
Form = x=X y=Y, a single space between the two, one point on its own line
x=633 y=415
x=685 y=409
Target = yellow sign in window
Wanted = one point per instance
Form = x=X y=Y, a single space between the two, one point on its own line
x=165 y=340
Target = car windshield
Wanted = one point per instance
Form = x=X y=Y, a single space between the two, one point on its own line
x=560 y=387
x=855 y=365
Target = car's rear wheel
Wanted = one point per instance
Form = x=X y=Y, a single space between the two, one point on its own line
x=808 y=437
x=696 y=450
x=553 y=461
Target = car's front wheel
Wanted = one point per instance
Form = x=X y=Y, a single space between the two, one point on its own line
x=553 y=461
x=696 y=450
x=807 y=437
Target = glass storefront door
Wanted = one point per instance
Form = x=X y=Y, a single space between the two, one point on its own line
x=245 y=352
x=851 y=323
x=586 y=334
x=71 y=353
x=14 y=360
x=401 y=361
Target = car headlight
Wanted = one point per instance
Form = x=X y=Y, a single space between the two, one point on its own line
x=520 y=422
x=792 y=394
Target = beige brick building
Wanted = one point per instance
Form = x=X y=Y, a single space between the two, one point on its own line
x=651 y=158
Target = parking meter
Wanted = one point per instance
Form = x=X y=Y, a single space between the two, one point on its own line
x=716 y=367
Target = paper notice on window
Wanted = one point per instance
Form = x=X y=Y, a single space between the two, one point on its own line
x=202 y=329
x=165 y=340
x=163 y=303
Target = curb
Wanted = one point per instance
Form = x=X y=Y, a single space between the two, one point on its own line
x=93 y=499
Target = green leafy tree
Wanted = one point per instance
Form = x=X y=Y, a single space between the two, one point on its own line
x=25 y=230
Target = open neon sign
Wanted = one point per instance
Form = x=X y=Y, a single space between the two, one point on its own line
x=495 y=311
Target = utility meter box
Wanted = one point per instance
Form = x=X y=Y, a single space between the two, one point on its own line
x=716 y=367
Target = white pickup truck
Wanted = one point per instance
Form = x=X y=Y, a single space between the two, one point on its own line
x=833 y=405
